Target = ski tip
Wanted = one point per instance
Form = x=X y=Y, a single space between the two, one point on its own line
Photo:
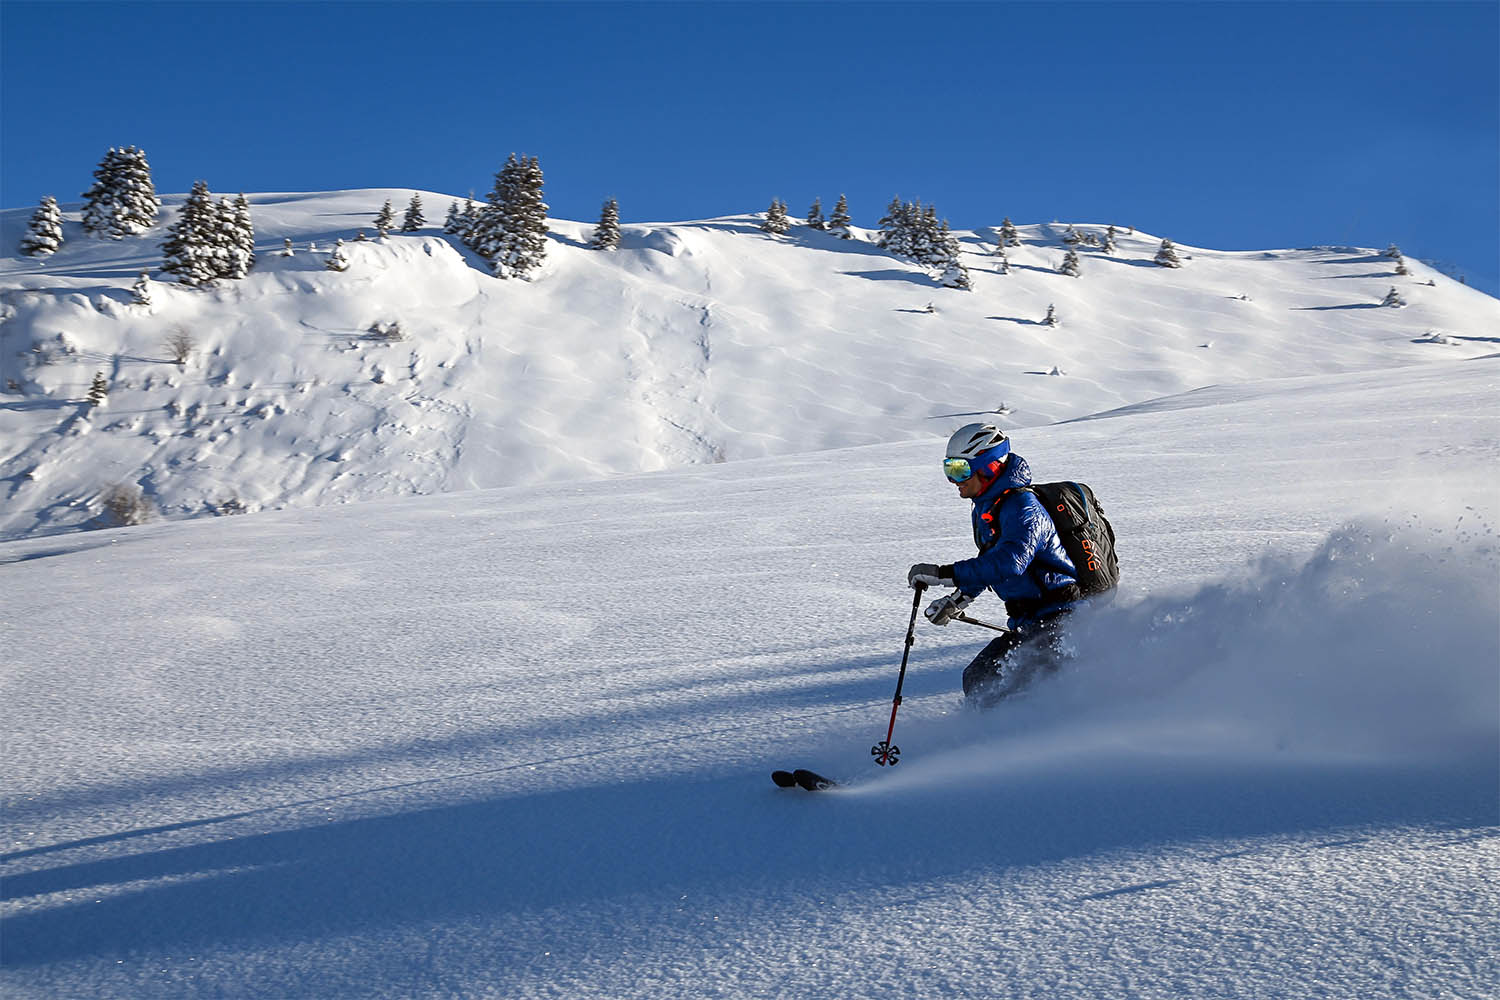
x=802 y=778
x=812 y=781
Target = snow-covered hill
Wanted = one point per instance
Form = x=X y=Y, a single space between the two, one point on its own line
x=695 y=342
x=515 y=743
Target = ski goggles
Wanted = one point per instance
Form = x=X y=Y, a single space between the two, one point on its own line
x=958 y=470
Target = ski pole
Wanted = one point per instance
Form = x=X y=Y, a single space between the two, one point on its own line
x=975 y=621
x=885 y=753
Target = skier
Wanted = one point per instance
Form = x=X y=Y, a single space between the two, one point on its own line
x=1020 y=558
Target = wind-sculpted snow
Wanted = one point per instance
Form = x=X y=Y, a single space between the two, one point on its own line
x=517 y=742
x=415 y=371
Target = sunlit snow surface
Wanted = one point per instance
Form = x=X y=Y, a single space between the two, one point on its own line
x=693 y=343
x=516 y=743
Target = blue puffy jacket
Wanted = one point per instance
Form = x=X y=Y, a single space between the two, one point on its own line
x=1020 y=556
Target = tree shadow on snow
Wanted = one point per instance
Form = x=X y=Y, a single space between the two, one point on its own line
x=891 y=274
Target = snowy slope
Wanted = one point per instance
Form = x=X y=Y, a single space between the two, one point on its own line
x=515 y=742
x=695 y=343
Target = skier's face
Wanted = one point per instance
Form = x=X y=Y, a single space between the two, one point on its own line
x=971 y=488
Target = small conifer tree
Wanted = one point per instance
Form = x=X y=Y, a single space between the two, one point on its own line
x=1108 y=244
x=1393 y=299
x=777 y=221
x=1071 y=266
x=607 y=233
x=286 y=248
x=1002 y=260
x=1051 y=318
x=141 y=290
x=1167 y=255
x=451 y=224
x=1072 y=237
x=1392 y=251
x=99 y=390
x=385 y=219
x=838 y=223
x=815 y=218
x=336 y=259
x=511 y=230
x=192 y=249
x=235 y=238
x=413 y=220
x=123 y=201
x=44 y=234
x=1008 y=235
x=1401 y=268
x=468 y=218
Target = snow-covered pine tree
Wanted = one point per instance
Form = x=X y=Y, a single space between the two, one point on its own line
x=138 y=200
x=927 y=246
x=777 y=221
x=44 y=234
x=838 y=223
x=286 y=248
x=191 y=251
x=1393 y=299
x=1167 y=255
x=955 y=275
x=468 y=218
x=336 y=259
x=453 y=222
x=413 y=219
x=1108 y=245
x=525 y=241
x=1392 y=251
x=1002 y=260
x=236 y=238
x=123 y=200
x=1008 y=235
x=385 y=219
x=141 y=290
x=1401 y=268
x=1051 y=318
x=99 y=390
x=1071 y=265
x=892 y=224
x=1072 y=237
x=815 y=218
x=484 y=233
x=511 y=230
x=607 y=233
x=99 y=209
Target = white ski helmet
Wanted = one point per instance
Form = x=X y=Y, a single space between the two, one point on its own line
x=972 y=440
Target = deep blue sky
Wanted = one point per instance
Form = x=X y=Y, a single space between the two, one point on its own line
x=1227 y=125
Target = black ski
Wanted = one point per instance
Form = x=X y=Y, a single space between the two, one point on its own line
x=803 y=778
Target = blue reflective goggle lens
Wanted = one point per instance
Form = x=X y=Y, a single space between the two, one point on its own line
x=957 y=470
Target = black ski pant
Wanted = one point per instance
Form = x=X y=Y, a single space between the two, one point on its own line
x=1012 y=661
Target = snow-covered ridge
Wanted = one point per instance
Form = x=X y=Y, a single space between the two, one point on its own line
x=694 y=342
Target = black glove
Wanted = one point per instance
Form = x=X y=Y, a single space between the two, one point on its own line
x=930 y=575
x=942 y=610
